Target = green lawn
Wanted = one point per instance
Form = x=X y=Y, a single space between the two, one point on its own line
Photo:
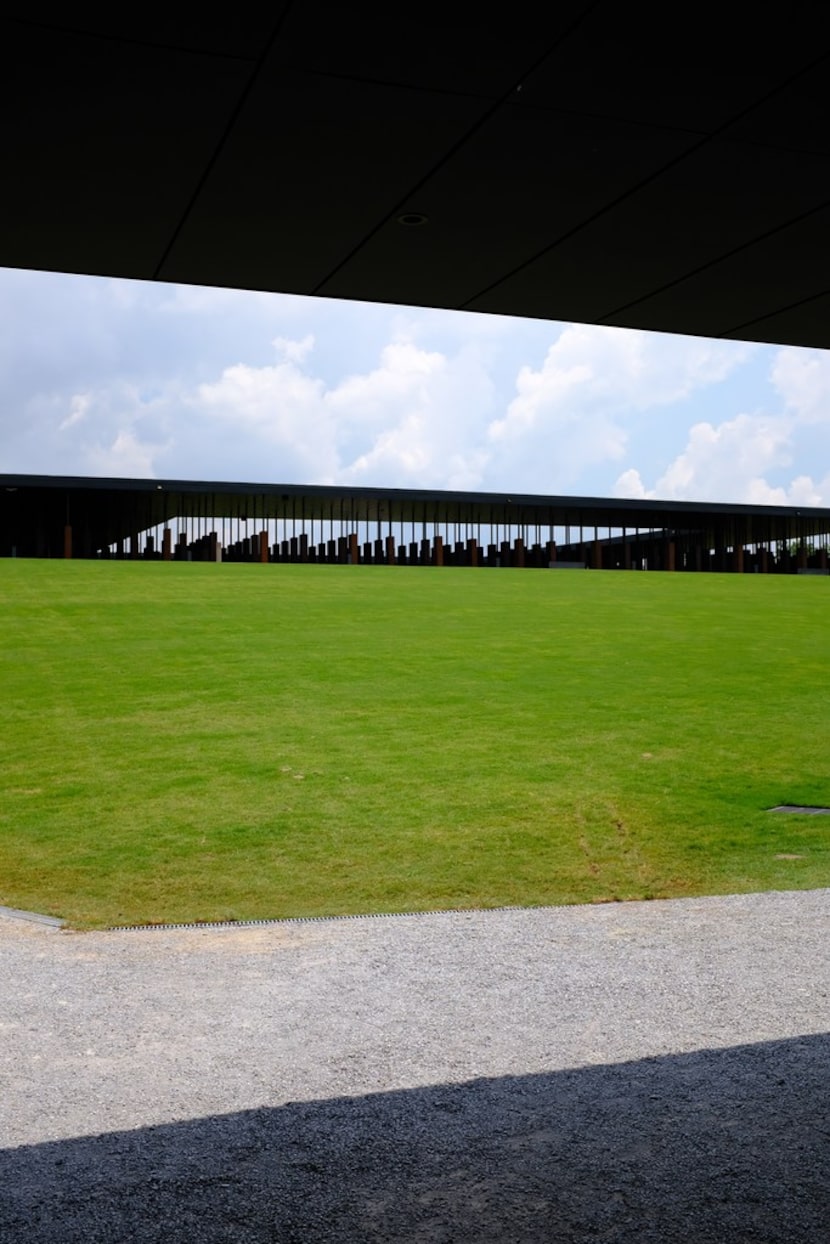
x=195 y=742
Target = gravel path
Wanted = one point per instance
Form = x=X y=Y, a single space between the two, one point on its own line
x=644 y=1072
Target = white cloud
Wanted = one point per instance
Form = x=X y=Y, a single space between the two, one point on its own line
x=272 y=420
x=614 y=370
x=404 y=381
x=802 y=378
x=406 y=420
x=574 y=412
x=433 y=409
x=294 y=351
x=418 y=419
x=745 y=458
x=724 y=463
x=78 y=409
x=118 y=377
x=630 y=485
x=803 y=490
x=125 y=458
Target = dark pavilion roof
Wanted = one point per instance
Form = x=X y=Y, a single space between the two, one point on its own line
x=650 y=166
x=104 y=510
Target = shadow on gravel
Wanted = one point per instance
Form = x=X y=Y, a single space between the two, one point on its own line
x=720 y=1145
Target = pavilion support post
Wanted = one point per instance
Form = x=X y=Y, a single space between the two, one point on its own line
x=354 y=552
x=167 y=545
x=67 y=542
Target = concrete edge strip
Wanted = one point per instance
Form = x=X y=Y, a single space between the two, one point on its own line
x=35 y=917
x=803 y=809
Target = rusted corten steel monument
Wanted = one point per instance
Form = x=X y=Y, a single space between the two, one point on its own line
x=47 y=516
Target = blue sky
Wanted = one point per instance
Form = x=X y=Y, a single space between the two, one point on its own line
x=123 y=378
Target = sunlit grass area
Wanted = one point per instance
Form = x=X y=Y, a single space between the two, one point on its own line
x=197 y=742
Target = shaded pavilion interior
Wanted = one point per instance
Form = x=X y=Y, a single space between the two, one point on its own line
x=637 y=165
x=50 y=516
x=650 y=167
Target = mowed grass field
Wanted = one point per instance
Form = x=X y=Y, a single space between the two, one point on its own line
x=185 y=742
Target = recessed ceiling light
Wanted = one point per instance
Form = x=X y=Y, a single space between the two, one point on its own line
x=412 y=219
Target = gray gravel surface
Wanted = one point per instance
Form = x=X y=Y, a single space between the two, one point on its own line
x=632 y=1072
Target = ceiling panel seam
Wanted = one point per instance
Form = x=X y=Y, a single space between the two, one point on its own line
x=713 y=263
x=790 y=306
x=456 y=146
x=223 y=139
x=390 y=84
x=82 y=32
x=718 y=133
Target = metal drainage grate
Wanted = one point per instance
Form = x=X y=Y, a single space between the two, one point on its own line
x=804 y=809
x=367 y=915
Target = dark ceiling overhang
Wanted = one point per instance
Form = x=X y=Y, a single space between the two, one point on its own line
x=646 y=166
